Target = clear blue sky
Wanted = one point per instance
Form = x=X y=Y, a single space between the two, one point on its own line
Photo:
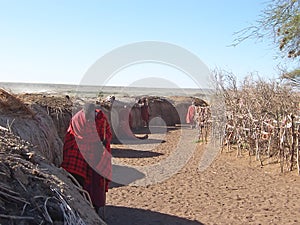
x=56 y=41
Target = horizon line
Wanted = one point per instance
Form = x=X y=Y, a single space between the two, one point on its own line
x=91 y=85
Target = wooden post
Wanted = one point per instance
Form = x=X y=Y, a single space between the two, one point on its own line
x=294 y=137
x=298 y=149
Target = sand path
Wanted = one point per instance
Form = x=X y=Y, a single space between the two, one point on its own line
x=230 y=191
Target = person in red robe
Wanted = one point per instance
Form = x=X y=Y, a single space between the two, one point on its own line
x=87 y=152
x=190 y=115
x=145 y=112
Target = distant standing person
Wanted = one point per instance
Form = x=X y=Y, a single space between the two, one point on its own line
x=190 y=115
x=87 y=153
x=145 y=112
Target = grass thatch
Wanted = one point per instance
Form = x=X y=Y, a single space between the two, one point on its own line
x=32 y=123
x=10 y=104
x=33 y=192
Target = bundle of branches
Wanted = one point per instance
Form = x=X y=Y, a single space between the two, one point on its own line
x=35 y=192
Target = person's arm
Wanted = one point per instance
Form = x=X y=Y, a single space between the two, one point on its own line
x=108 y=135
x=103 y=129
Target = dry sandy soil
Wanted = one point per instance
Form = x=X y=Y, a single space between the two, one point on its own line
x=230 y=191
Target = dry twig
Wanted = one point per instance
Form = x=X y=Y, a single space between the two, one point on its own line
x=17 y=217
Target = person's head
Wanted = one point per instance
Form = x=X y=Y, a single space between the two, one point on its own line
x=89 y=111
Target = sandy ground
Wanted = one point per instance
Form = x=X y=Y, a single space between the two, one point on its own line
x=230 y=191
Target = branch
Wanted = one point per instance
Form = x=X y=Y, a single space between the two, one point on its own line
x=16 y=217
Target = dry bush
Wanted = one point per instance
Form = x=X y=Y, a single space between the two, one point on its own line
x=261 y=118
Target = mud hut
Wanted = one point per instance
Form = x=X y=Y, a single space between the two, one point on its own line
x=164 y=109
x=33 y=190
x=182 y=104
x=33 y=124
x=59 y=108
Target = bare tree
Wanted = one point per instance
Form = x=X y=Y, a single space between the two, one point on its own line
x=279 y=21
x=292 y=77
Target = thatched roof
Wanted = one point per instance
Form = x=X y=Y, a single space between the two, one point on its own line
x=32 y=123
x=9 y=104
x=32 y=191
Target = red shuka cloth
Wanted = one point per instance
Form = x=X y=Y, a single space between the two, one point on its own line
x=190 y=114
x=83 y=151
x=145 y=112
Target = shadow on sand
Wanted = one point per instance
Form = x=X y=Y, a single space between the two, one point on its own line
x=115 y=215
x=154 y=129
x=124 y=175
x=129 y=153
x=137 y=141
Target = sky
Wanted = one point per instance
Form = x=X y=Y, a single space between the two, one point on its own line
x=58 y=41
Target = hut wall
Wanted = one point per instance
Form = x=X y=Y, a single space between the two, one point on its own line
x=165 y=110
x=136 y=117
x=39 y=130
x=61 y=120
x=182 y=109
